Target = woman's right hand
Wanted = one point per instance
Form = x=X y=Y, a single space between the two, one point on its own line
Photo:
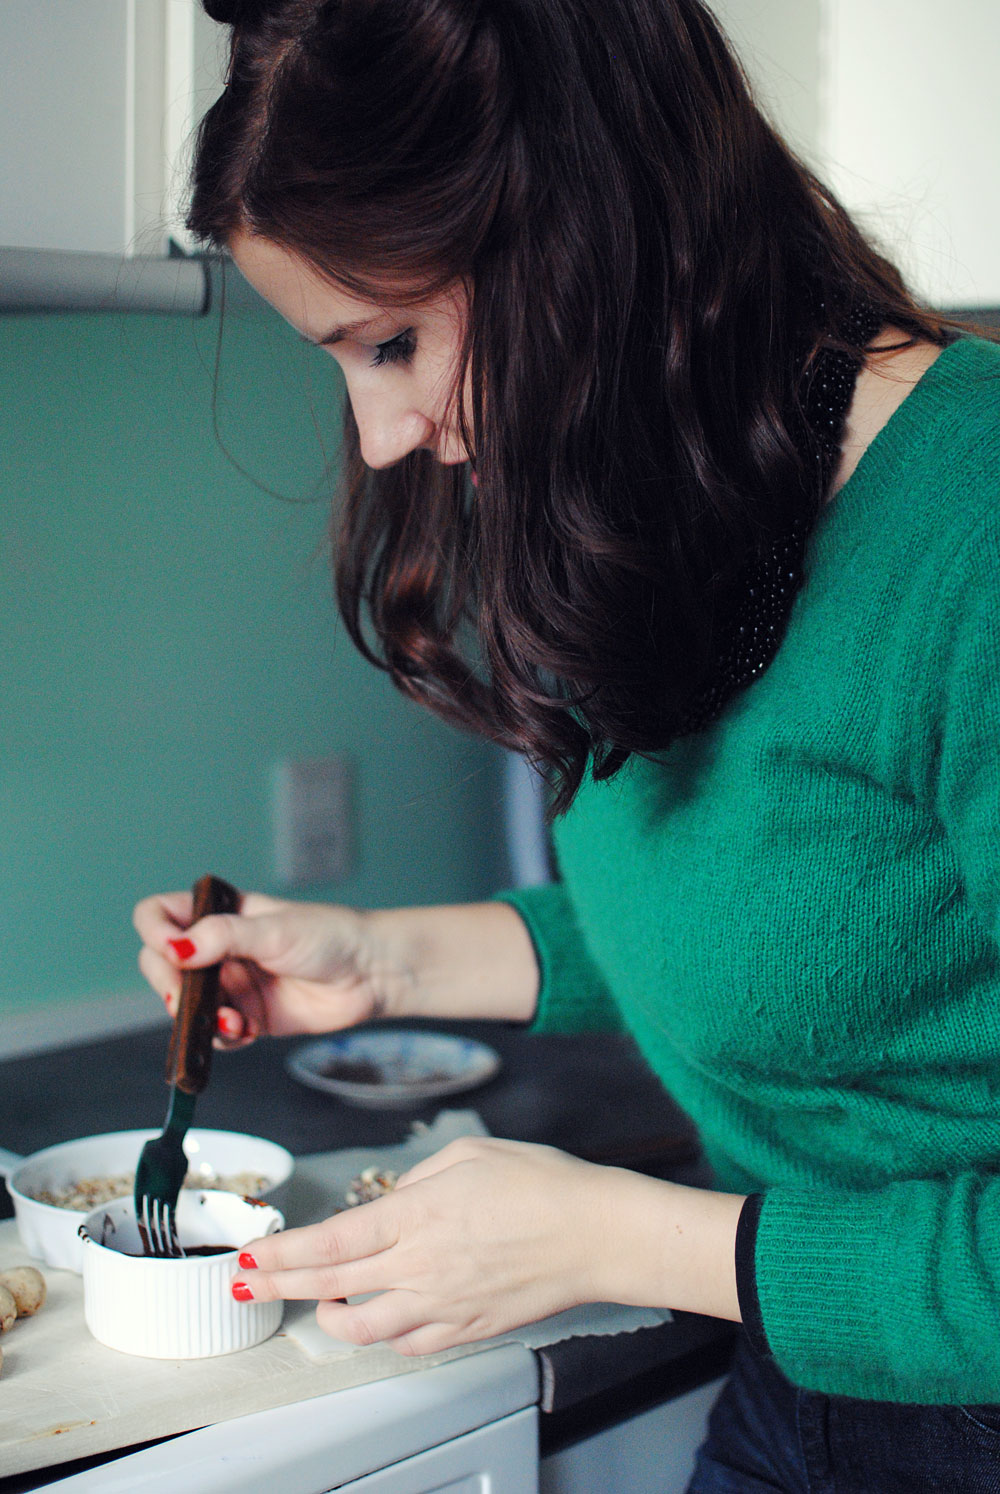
x=286 y=967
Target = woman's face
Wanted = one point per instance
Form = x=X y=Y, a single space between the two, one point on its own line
x=399 y=363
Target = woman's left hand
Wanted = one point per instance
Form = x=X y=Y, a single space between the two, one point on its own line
x=481 y=1238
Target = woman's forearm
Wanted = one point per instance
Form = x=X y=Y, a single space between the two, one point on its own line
x=653 y=1243
x=468 y=961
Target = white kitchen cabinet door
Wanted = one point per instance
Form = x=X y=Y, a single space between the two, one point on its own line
x=413 y=1433
x=910 y=137
x=99 y=101
x=896 y=106
x=501 y=1458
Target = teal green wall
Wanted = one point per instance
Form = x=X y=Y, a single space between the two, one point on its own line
x=168 y=634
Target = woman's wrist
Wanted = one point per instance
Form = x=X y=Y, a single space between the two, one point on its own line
x=467 y=962
x=666 y=1245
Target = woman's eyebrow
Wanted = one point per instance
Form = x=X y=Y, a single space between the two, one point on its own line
x=337 y=334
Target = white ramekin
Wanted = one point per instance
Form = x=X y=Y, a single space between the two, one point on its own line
x=175 y=1309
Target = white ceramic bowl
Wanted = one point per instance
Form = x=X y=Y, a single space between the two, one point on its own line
x=175 y=1309
x=51 y=1234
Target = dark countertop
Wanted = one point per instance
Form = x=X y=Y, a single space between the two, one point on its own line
x=590 y=1095
x=581 y=1093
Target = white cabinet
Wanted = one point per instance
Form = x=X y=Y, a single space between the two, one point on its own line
x=501 y=1458
x=896 y=106
x=99 y=101
x=465 y=1427
x=911 y=136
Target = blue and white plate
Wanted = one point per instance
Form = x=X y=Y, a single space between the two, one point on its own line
x=394 y=1068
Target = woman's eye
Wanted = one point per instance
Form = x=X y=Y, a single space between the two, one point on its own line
x=399 y=349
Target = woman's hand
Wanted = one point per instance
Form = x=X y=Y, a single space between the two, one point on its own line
x=481 y=1238
x=488 y=1235
x=308 y=967
x=286 y=967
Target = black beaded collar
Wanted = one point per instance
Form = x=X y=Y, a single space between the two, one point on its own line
x=761 y=616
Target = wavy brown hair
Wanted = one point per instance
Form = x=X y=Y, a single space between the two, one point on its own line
x=650 y=273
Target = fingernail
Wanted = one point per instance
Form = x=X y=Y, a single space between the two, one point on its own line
x=182 y=948
x=230 y=1026
x=242 y=1292
x=247 y=1263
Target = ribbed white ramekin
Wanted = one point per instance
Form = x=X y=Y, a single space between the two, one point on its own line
x=175 y=1309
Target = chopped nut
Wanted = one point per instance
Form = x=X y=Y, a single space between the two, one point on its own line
x=90 y=1193
x=369 y=1184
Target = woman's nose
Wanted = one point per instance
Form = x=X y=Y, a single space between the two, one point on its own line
x=387 y=435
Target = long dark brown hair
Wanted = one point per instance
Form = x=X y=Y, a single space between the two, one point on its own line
x=651 y=274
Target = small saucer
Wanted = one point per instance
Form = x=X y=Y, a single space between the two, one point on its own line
x=393 y=1069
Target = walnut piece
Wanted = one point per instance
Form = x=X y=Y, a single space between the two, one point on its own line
x=370 y=1184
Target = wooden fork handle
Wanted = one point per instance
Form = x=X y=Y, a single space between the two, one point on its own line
x=189 y=1060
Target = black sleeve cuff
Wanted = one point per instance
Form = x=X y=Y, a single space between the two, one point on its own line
x=746 y=1274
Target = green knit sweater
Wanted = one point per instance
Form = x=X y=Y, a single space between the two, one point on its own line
x=797 y=915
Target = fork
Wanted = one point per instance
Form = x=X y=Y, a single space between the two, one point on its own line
x=163 y=1163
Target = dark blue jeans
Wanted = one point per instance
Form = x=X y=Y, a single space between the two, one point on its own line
x=766 y=1436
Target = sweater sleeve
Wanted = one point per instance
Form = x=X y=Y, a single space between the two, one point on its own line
x=890 y=1295
x=573 y=996
x=894 y=1293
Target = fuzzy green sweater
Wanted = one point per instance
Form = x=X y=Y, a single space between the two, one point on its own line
x=797 y=915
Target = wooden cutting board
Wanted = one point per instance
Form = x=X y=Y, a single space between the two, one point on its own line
x=63 y=1395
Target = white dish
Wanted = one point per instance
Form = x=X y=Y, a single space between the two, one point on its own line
x=393 y=1069
x=51 y=1234
x=175 y=1309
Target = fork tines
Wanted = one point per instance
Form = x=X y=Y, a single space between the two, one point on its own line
x=158 y=1228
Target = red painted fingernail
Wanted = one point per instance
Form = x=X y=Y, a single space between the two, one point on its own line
x=247 y=1262
x=242 y=1292
x=230 y=1026
x=182 y=948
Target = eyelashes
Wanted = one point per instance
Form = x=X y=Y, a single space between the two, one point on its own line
x=399 y=349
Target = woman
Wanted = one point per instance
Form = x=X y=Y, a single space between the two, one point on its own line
x=657 y=473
